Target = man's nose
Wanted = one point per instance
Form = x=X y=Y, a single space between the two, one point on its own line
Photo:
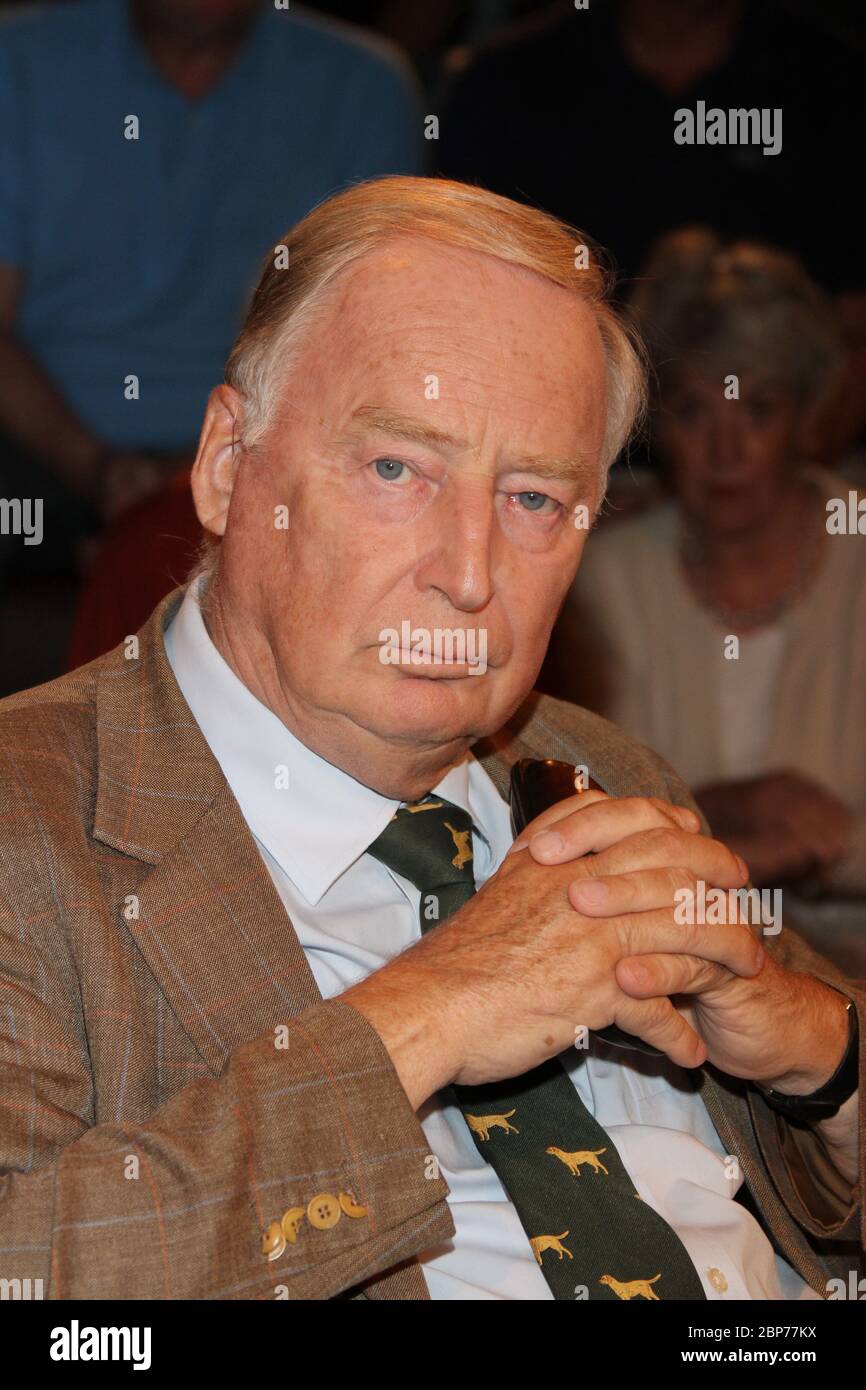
x=457 y=540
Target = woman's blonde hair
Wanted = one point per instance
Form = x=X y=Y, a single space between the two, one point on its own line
x=291 y=294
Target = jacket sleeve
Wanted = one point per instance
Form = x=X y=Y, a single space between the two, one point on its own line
x=815 y=1193
x=176 y=1206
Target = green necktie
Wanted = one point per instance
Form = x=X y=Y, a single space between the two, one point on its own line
x=587 y=1226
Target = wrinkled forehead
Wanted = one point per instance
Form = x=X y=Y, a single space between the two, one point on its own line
x=413 y=283
x=484 y=332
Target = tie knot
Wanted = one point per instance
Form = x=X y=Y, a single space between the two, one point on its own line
x=429 y=842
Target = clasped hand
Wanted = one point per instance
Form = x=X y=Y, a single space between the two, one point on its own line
x=578 y=928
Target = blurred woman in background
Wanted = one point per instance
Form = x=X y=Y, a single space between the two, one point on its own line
x=727 y=627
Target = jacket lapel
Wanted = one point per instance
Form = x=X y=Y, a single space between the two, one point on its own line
x=210 y=924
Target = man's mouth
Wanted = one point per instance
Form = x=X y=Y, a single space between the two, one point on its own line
x=437 y=670
x=438 y=653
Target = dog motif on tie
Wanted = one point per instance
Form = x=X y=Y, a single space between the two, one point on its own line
x=573 y=1160
x=541 y=1243
x=461 y=844
x=482 y=1124
x=633 y=1288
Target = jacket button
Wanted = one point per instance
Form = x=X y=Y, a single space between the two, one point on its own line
x=273 y=1241
x=291 y=1223
x=350 y=1206
x=323 y=1211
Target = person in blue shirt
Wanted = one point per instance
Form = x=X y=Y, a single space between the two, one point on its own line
x=149 y=149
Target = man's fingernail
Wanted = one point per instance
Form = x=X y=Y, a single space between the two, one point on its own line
x=759 y=958
x=639 y=973
x=744 y=868
x=547 y=842
x=592 y=893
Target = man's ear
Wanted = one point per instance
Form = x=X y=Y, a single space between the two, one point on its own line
x=216 y=463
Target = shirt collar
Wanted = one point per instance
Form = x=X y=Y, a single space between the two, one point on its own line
x=312 y=818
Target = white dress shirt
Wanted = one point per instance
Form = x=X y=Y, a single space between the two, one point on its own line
x=312 y=824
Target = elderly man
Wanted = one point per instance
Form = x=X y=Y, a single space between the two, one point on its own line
x=284 y=1016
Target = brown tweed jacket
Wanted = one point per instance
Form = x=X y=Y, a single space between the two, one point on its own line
x=150 y=1126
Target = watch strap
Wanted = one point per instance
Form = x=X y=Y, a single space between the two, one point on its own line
x=823 y=1103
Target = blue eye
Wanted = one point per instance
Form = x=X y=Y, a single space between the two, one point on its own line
x=390 y=470
x=533 y=501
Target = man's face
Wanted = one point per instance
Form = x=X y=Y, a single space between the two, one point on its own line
x=442 y=425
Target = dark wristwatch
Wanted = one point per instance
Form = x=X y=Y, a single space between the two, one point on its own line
x=824 y=1102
